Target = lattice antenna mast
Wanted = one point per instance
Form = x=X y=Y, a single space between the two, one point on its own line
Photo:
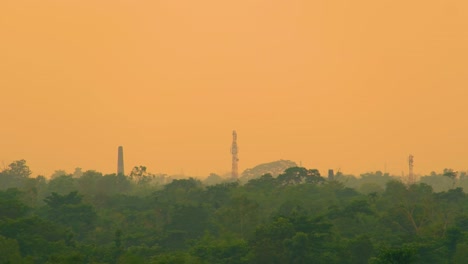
x=411 y=179
x=235 y=158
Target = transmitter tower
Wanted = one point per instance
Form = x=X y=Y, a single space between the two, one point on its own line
x=411 y=179
x=235 y=158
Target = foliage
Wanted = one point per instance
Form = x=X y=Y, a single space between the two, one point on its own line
x=294 y=217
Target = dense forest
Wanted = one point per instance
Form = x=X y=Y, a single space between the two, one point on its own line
x=297 y=216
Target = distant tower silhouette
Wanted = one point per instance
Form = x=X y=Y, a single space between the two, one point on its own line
x=331 y=175
x=235 y=158
x=411 y=179
x=120 y=162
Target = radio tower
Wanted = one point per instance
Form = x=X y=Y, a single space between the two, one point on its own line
x=411 y=179
x=235 y=158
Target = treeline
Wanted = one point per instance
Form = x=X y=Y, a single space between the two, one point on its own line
x=297 y=217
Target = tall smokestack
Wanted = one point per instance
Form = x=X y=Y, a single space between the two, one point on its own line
x=120 y=162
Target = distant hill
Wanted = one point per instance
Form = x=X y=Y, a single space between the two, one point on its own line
x=274 y=168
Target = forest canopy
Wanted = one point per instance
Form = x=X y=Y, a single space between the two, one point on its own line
x=298 y=216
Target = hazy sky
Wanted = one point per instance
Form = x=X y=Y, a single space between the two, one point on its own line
x=350 y=85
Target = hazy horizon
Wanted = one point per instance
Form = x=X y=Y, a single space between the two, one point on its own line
x=350 y=86
x=227 y=173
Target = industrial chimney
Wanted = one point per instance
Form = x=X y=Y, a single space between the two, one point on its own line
x=120 y=162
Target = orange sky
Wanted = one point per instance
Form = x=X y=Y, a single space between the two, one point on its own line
x=335 y=84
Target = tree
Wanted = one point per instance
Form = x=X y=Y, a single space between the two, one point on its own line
x=452 y=175
x=297 y=175
x=219 y=194
x=9 y=251
x=140 y=175
x=402 y=255
x=370 y=187
x=14 y=175
x=449 y=207
x=111 y=184
x=181 y=191
x=87 y=183
x=70 y=211
x=58 y=173
x=186 y=222
x=62 y=184
x=36 y=237
x=213 y=179
x=56 y=200
x=222 y=251
x=295 y=239
x=34 y=190
x=268 y=243
x=77 y=173
x=10 y=205
x=19 y=169
x=239 y=215
x=453 y=237
x=263 y=184
x=438 y=182
x=360 y=250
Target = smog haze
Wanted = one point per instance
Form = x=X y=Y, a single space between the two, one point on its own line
x=349 y=85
